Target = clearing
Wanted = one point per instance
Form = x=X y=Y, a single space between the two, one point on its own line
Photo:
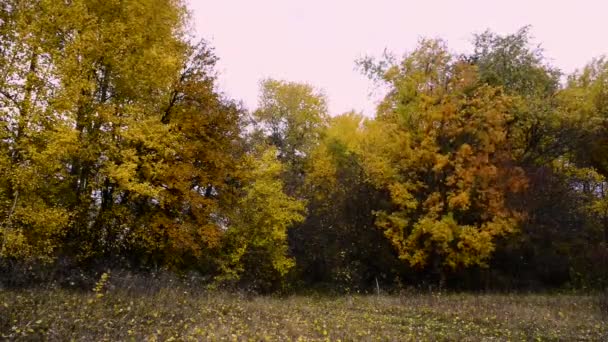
x=181 y=314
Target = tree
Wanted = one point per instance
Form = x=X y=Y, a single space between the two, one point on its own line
x=189 y=156
x=584 y=106
x=255 y=245
x=123 y=147
x=439 y=149
x=542 y=136
x=33 y=216
x=350 y=252
x=535 y=131
x=291 y=116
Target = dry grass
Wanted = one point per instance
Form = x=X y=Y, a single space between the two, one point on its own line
x=603 y=303
x=181 y=313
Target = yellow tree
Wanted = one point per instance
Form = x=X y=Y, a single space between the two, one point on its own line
x=584 y=104
x=115 y=142
x=255 y=245
x=32 y=217
x=115 y=61
x=439 y=148
x=291 y=116
x=178 y=166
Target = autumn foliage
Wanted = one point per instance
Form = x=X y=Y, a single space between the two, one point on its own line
x=118 y=150
x=439 y=148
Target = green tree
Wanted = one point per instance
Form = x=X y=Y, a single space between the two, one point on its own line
x=542 y=136
x=535 y=131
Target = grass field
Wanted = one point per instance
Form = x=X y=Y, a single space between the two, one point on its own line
x=178 y=313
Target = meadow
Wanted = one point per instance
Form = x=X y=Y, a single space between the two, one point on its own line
x=190 y=313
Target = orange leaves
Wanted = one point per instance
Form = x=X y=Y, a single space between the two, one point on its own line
x=445 y=162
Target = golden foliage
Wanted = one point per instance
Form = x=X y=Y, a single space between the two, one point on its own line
x=439 y=148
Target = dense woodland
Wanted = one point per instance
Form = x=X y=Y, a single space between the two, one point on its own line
x=118 y=151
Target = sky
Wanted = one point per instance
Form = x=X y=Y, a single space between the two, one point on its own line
x=318 y=41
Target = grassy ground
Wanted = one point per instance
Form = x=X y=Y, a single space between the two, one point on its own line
x=176 y=313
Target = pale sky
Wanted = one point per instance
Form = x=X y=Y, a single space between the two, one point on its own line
x=318 y=41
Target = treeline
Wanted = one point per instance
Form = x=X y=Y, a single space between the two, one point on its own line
x=117 y=150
